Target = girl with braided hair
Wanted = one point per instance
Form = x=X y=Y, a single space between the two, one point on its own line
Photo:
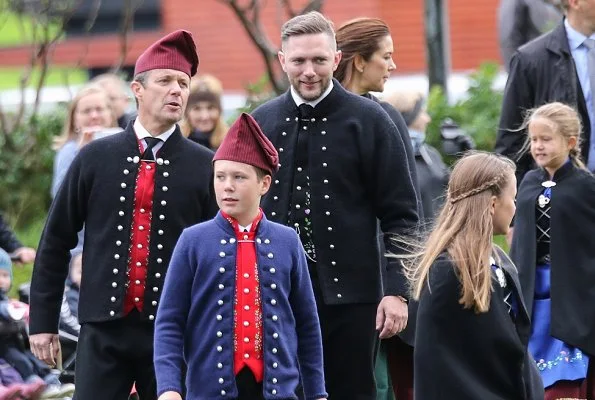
x=554 y=247
x=472 y=324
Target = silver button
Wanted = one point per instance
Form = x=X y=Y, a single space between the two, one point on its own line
x=326 y=197
x=112 y=313
x=324 y=119
x=154 y=303
x=332 y=246
x=129 y=159
x=136 y=299
x=142 y=210
x=122 y=199
x=270 y=255
x=339 y=295
x=297 y=206
x=126 y=172
x=222 y=270
x=273 y=302
x=160 y=161
x=117 y=256
x=274 y=380
x=247 y=308
x=219 y=349
x=219 y=334
x=274 y=350
x=276 y=198
x=323 y=148
x=159 y=261
x=164 y=188
x=138 y=264
x=149 y=167
x=246 y=340
x=299 y=169
x=299 y=188
x=284 y=133
x=162 y=217
x=330 y=228
x=258 y=240
x=324 y=165
x=275 y=318
x=328 y=213
x=275 y=365
x=113 y=299
x=114 y=284
x=280 y=149
x=232 y=240
x=115 y=271
x=221 y=286
x=166 y=162
x=246 y=275
x=246 y=355
x=267 y=241
x=325 y=181
x=219 y=317
x=121 y=213
x=333 y=263
x=137 y=282
x=222 y=254
x=118 y=243
x=336 y=279
x=246 y=290
x=120 y=227
x=305 y=128
x=223 y=241
x=219 y=365
x=221 y=381
x=140 y=246
x=273 y=213
x=275 y=335
x=136 y=159
x=220 y=302
x=160 y=246
x=223 y=393
x=123 y=185
x=160 y=232
x=276 y=181
x=157 y=275
x=246 y=323
x=286 y=119
x=166 y=174
x=273 y=286
x=163 y=203
x=155 y=289
x=151 y=317
x=141 y=228
x=272 y=270
x=274 y=391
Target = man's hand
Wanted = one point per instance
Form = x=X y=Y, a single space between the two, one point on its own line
x=391 y=316
x=24 y=255
x=46 y=347
x=170 y=396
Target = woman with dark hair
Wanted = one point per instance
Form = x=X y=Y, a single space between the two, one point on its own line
x=366 y=64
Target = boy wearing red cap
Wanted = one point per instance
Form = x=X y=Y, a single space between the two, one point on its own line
x=135 y=191
x=238 y=307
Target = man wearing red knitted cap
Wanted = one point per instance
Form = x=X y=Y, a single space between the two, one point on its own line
x=135 y=192
x=238 y=307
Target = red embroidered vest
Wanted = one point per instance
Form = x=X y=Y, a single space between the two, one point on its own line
x=248 y=335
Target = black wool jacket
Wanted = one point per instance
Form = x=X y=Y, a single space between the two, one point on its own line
x=359 y=178
x=572 y=251
x=98 y=191
x=460 y=354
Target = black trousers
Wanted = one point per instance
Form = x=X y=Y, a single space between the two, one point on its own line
x=248 y=388
x=112 y=356
x=350 y=344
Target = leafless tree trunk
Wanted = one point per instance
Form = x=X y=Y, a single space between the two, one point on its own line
x=129 y=9
x=249 y=13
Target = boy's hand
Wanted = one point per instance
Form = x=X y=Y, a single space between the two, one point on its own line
x=170 y=396
x=46 y=347
x=391 y=316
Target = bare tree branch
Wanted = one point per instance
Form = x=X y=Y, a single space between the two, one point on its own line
x=125 y=30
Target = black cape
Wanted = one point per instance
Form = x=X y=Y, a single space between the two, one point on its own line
x=572 y=251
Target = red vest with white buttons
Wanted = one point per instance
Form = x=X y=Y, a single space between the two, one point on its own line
x=138 y=255
x=248 y=335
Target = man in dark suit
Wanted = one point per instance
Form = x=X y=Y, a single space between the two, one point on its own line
x=553 y=67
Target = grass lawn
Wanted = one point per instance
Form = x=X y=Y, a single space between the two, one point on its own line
x=14 y=32
x=30 y=238
x=10 y=77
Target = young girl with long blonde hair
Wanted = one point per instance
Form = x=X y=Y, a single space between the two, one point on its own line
x=554 y=247
x=472 y=325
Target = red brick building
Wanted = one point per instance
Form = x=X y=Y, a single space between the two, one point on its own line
x=226 y=51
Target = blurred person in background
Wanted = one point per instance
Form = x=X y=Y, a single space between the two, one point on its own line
x=88 y=114
x=11 y=244
x=117 y=91
x=203 y=119
x=520 y=21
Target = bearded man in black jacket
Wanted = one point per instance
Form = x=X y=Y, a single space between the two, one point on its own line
x=343 y=170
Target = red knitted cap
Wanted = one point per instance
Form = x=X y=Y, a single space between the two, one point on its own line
x=246 y=143
x=173 y=51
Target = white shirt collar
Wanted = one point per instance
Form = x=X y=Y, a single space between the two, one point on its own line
x=142 y=133
x=245 y=228
x=299 y=101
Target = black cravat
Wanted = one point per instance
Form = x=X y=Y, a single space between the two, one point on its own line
x=151 y=142
x=306 y=111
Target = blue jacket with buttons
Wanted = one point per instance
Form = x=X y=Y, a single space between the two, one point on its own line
x=194 y=324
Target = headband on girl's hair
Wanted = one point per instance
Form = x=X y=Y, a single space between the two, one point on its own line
x=411 y=115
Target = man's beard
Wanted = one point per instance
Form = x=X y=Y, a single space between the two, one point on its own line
x=324 y=87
